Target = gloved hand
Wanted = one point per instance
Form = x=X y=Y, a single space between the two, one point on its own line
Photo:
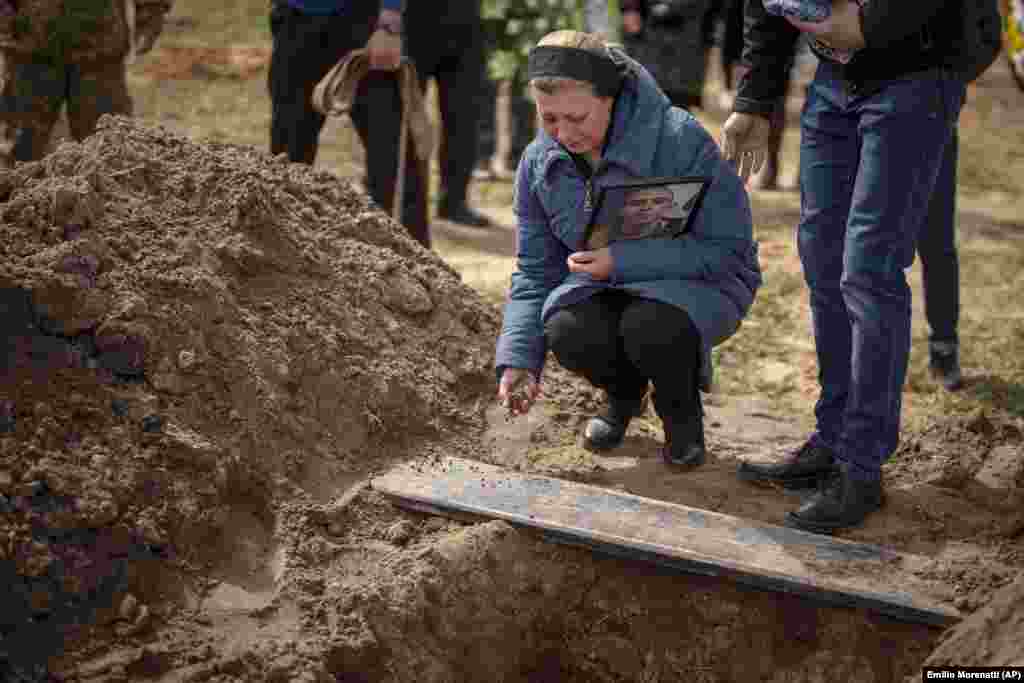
x=745 y=139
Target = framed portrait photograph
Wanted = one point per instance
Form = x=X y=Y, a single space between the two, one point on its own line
x=641 y=209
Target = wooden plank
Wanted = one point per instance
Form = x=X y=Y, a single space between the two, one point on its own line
x=830 y=570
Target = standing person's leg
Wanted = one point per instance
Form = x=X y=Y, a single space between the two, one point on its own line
x=829 y=157
x=661 y=341
x=305 y=47
x=377 y=116
x=903 y=131
x=30 y=104
x=940 y=272
x=460 y=85
x=586 y=340
x=94 y=90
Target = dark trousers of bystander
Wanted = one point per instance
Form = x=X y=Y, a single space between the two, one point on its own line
x=305 y=47
x=869 y=167
x=446 y=42
x=936 y=247
x=620 y=342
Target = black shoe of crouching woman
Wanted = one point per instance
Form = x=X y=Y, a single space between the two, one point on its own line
x=684 y=441
x=607 y=430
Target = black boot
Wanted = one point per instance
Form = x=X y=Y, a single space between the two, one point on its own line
x=607 y=430
x=800 y=469
x=684 y=441
x=461 y=213
x=684 y=429
x=842 y=502
x=944 y=364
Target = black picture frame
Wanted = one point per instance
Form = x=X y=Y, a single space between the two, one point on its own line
x=646 y=208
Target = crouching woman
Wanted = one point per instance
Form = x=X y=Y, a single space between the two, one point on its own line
x=636 y=312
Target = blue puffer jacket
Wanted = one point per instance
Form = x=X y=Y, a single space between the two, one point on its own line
x=712 y=272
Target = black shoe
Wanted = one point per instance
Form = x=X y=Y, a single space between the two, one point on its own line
x=841 y=502
x=944 y=364
x=800 y=469
x=464 y=215
x=684 y=442
x=607 y=430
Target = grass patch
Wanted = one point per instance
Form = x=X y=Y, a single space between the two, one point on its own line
x=220 y=23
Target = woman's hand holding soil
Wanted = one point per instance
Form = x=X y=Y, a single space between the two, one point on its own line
x=518 y=389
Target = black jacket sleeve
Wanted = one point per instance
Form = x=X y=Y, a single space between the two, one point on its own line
x=886 y=23
x=769 y=43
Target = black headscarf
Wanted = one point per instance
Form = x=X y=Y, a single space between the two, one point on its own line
x=602 y=72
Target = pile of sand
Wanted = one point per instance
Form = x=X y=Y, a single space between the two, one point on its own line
x=191 y=330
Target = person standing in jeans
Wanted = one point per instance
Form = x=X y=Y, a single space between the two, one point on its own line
x=878 y=118
x=309 y=38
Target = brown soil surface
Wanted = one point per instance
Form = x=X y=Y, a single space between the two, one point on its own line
x=239 y=62
x=209 y=351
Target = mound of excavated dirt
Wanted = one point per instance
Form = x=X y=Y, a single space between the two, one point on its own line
x=990 y=637
x=193 y=335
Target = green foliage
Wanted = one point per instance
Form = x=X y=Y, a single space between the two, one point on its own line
x=80 y=18
x=67 y=31
x=514 y=26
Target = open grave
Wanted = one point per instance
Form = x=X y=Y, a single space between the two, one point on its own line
x=210 y=355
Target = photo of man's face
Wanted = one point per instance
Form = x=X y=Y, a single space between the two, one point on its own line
x=633 y=211
x=645 y=211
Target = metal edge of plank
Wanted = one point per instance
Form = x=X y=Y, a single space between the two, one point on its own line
x=890 y=605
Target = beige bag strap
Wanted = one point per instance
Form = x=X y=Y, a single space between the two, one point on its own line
x=335 y=95
x=129 y=17
x=403 y=144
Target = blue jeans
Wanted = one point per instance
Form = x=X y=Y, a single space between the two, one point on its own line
x=936 y=247
x=868 y=166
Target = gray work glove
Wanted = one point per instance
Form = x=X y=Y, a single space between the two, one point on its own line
x=745 y=139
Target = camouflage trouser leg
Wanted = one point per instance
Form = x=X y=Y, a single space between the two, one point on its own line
x=96 y=89
x=32 y=96
x=30 y=102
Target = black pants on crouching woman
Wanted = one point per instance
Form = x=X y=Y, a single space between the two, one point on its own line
x=620 y=342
